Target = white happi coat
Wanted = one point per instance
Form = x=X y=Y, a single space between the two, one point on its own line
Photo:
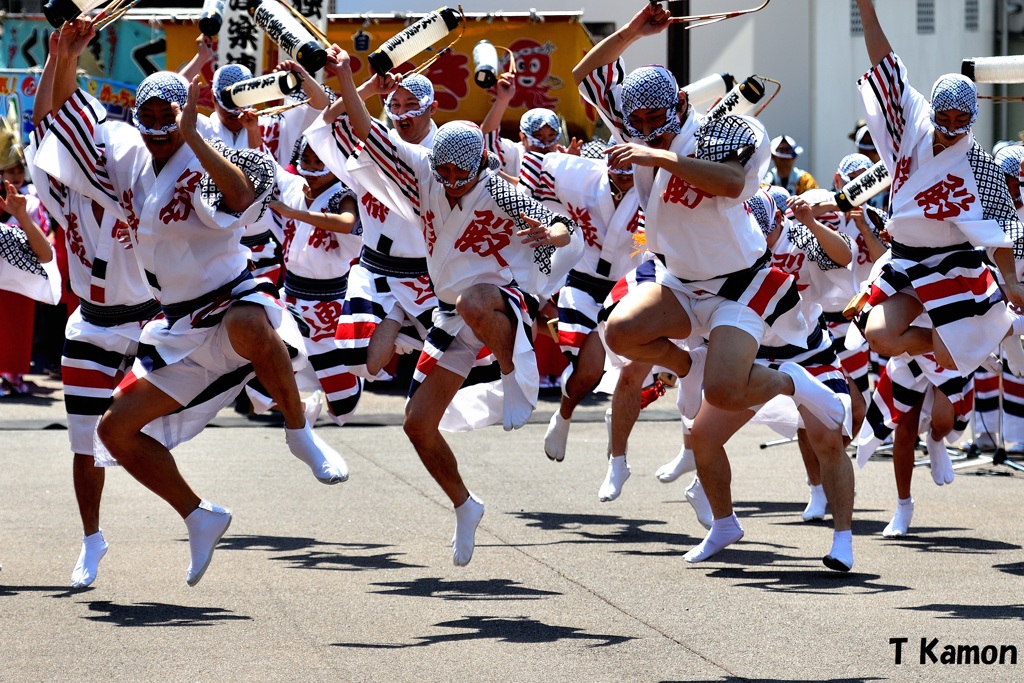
x=20 y=269
x=382 y=225
x=313 y=252
x=935 y=200
x=581 y=186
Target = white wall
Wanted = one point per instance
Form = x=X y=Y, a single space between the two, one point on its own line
x=804 y=44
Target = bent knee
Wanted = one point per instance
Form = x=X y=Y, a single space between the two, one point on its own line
x=725 y=396
x=882 y=342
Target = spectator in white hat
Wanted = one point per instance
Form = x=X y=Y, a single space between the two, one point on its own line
x=784 y=171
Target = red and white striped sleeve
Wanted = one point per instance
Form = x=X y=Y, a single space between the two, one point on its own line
x=602 y=88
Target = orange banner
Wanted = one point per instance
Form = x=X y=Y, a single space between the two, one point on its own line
x=545 y=53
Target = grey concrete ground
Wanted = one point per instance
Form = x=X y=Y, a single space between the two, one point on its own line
x=355 y=582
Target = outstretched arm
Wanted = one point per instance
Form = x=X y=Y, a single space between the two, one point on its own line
x=834 y=246
x=504 y=91
x=350 y=100
x=44 y=91
x=651 y=20
x=722 y=179
x=874 y=37
x=343 y=222
x=73 y=40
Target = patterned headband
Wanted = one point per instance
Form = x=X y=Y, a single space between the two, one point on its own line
x=535 y=119
x=852 y=163
x=306 y=173
x=460 y=143
x=954 y=91
x=163 y=85
x=227 y=76
x=1009 y=159
x=763 y=208
x=421 y=88
x=651 y=87
x=780 y=196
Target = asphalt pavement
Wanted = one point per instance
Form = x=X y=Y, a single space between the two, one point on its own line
x=354 y=582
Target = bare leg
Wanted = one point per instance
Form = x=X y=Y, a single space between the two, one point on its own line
x=836 y=469
x=712 y=428
x=888 y=329
x=88 y=480
x=626 y=404
x=254 y=339
x=382 y=345
x=484 y=310
x=903 y=443
x=141 y=455
x=585 y=376
x=644 y=322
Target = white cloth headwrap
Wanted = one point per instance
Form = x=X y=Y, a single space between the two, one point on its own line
x=227 y=76
x=651 y=87
x=763 y=208
x=535 y=119
x=954 y=91
x=780 y=196
x=306 y=173
x=421 y=88
x=852 y=163
x=1009 y=159
x=163 y=85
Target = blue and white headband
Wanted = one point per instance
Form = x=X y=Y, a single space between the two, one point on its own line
x=460 y=143
x=651 y=87
x=305 y=173
x=421 y=88
x=597 y=150
x=954 y=91
x=763 y=208
x=852 y=163
x=227 y=76
x=535 y=119
x=1009 y=158
x=780 y=196
x=163 y=85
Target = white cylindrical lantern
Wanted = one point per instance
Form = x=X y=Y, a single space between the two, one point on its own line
x=862 y=188
x=739 y=101
x=291 y=36
x=709 y=88
x=59 y=11
x=212 y=17
x=414 y=39
x=994 y=69
x=265 y=88
x=485 y=64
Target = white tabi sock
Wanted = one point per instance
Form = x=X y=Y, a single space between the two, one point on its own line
x=94 y=547
x=724 y=532
x=618 y=473
x=206 y=525
x=809 y=393
x=696 y=497
x=467 y=518
x=938 y=457
x=556 y=437
x=840 y=557
x=326 y=463
x=677 y=466
x=517 y=408
x=900 y=524
x=691 y=386
x=815 y=510
x=1014 y=354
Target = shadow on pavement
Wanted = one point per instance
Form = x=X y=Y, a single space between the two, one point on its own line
x=735 y=679
x=320 y=554
x=1015 y=612
x=159 y=614
x=601 y=529
x=520 y=630
x=491 y=589
x=1017 y=568
x=58 y=591
x=812 y=581
x=920 y=539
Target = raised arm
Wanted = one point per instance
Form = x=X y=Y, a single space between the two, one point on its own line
x=832 y=243
x=15 y=204
x=238 y=191
x=649 y=21
x=350 y=101
x=504 y=91
x=204 y=55
x=317 y=97
x=44 y=90
x=874 y=37
x=73 y=40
